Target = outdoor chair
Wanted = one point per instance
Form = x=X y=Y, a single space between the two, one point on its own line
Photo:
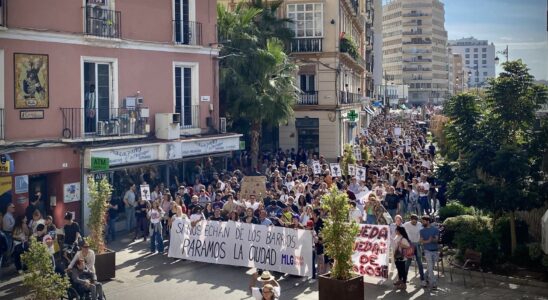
x=472 y=260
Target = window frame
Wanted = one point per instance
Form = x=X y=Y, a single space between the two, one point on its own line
x=293 y=15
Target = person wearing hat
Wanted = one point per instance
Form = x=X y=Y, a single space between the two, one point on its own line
x=87 y=255
x=271 y=288
x=85 y=280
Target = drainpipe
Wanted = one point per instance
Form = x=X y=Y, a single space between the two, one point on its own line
x=82 y=192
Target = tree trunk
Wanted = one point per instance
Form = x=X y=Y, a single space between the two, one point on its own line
x=255 y=135
x=513 y=238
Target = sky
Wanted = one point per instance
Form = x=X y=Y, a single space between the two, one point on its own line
x=520 y=24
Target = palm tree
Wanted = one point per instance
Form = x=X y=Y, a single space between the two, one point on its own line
x=257 y=81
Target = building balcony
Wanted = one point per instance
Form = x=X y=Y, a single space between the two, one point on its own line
x=416 y=32
x=84 y=124
x=418 y=42
x=1 y=124
x=415 y=14
x=417 y=69
x=306 y=45
x=102 y=22
x=308 y=98
x=417 y=60
x=349 y=98
x=3 y=13
x=190 y=116
x=187 y=33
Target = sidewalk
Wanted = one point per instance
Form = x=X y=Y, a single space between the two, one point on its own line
x=141 y=275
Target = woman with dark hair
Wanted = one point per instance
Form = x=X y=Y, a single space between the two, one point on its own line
x=401 y=242
x=21 y=235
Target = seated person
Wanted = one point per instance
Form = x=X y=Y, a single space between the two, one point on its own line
x=85 y=281
x=87 y=255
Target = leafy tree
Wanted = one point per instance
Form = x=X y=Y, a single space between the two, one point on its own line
x=500 y=146
x=338 y=233
x=99 y=193
x=40 y=278
x=347 y=158
x=257 y=81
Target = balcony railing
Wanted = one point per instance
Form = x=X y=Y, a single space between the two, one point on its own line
x=103 y=22
x=187 y=33
x=3 y=13
x=82 y=123
x=416 y=32
x=308 y=98
x=349 y=98
x=417 y=69
x=419 y=42
x=190 y=116
x=1 y=123
x=306 y=45
x=415 y=14
x=417 y=60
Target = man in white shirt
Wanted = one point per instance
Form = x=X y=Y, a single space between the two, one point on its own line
x=252 y=203
x=424 y=186
x=355 y=215
x=413 y=228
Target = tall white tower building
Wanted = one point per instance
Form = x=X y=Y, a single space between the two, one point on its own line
x=478 y=57
x=415 y=48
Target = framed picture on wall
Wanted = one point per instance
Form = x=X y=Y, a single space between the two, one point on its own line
x=31 y=80
x=71 y=192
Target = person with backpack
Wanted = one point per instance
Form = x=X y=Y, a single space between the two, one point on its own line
x=402 y=251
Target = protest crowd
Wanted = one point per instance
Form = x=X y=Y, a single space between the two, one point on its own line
x=398 y=189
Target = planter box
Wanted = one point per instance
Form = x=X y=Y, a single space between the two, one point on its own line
x=105 y=265
x=330 y=288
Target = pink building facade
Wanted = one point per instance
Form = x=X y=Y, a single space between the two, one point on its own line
x=134 y=82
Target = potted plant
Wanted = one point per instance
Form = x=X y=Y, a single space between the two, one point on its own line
x=105 y=259
x=40 y=278
x=339 y=235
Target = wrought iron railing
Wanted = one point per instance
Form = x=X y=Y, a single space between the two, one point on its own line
x=190 y=116
x=349 y=98
x=103 y=22
x=306 y=45
x=187 y=32
x=81 y=123
x=308 y=98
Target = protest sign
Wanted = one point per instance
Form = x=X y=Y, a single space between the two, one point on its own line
x=357 y=152
x=271 y=248
x=145 y=192
x=361 y=173
x=371 y=252
x=352 y=170
x=253 y=185
x=397 y=131
x=317 y=167
x=335 y=170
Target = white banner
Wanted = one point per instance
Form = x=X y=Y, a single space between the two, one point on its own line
x=371 y=251
x=271 y=248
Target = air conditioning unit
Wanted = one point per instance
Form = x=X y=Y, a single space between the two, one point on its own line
x=130 y=102
x=222 y=125
x=168 y=126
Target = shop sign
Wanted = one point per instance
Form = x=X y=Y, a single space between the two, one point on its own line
x=6 y=165
x=127 y=155
x=99 y=163
x=190 y=148
x=21 y=184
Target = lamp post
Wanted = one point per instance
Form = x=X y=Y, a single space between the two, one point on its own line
x=503 y=52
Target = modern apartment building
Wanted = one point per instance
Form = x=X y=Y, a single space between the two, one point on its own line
x=106 y=88
x=478 y=59
x=415 y=48
x=333 y=46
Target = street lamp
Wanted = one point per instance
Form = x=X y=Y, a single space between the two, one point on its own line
x=503 y=52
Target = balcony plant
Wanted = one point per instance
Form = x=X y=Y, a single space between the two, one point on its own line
x=105 y=260
x=339 y=235
x=348 y=45
x=40 y=279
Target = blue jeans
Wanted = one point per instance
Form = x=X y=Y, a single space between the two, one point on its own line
x=418 y=258
x=424 y=206
x=371 y=219
x=156 y=241
x=130 y=218
x=392 y=213
x=111 y=229
x=431 y=260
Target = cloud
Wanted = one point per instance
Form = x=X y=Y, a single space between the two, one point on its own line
x=505 y=38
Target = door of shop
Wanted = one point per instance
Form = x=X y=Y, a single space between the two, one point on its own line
x=308 y=134
x=39 y=183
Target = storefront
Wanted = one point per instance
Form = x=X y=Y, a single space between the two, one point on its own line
x=170 y=163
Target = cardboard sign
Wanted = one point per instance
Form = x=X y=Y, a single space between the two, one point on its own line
x=271 y=248
x=352 y=170
x=397 y=131
x=335 y=170
x=357 y=153
x=253 y=185
x=317 y=167
x=145 y=192
x=361 y=173
x=371 y=252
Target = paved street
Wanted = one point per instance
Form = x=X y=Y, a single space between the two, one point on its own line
x=141 y=275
